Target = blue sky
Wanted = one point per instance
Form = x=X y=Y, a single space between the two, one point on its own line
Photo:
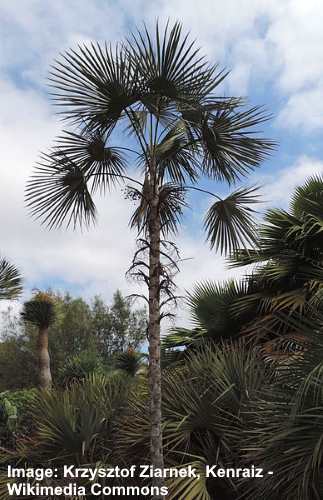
x=273 y=50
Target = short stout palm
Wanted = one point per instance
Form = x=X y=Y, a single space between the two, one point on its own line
x=146 y=113
x=39 y=311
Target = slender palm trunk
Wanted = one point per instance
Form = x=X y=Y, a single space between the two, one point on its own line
x=45 y=377
x=156 y=444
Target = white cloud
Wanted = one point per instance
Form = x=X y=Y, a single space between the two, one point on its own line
x=279 y=186
x=304 y=110
x=296 y=36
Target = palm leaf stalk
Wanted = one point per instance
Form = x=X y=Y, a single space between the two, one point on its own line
x=158 y=90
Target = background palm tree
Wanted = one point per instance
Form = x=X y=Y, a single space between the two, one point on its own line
x=159 y=92
x=10 y=280
x=285 y=286
x=288 y=259
x=39 y=311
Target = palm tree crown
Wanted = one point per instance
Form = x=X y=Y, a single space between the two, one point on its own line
x=39 y=311
x=160 y=90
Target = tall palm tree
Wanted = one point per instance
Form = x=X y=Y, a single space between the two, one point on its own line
x=10 y=280
x=156 y=90
x=39 y=311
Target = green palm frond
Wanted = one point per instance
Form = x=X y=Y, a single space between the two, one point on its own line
x=57 y=193
x=171 y=66
x=182 y=488
x=280 y=230
x=230 y=151
x=95 y=85
x=210 y=304
x=183 y=337
x=308 y=198
x=175 y=157
x=103 y=165
x=130 y=362
x=286 y=438
x=216 y=313
x=245 y=257
x=229 y=222
x=10 y=280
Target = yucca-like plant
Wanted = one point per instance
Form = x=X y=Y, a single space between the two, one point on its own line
x=10 y=280
x=159 y=94
x=130 y=362
x=75 y=426
x=40 y=312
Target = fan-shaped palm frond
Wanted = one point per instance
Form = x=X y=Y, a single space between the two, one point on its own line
x=10 y=280
x=308 y=198
x=229 y=222
x=183 y=337
x=95 y=84
x=175 y=157
x=183 y=487
x=286 y=438
x=170 y=66
x=217 y=314
x=57 y=193
x=289 y=257
x=210 y=305
x=103 y=165
x=229 y=151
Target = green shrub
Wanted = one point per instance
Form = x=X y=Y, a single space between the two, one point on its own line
x=78 y=367
x=15 y=414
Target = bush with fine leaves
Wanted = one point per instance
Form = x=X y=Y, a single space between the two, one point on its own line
x=79 y=366
x=222 y=405
x=202 y=416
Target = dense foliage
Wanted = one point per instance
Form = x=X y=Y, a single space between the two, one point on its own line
x=83 y=337
x=284 y=279
x=224 y=405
